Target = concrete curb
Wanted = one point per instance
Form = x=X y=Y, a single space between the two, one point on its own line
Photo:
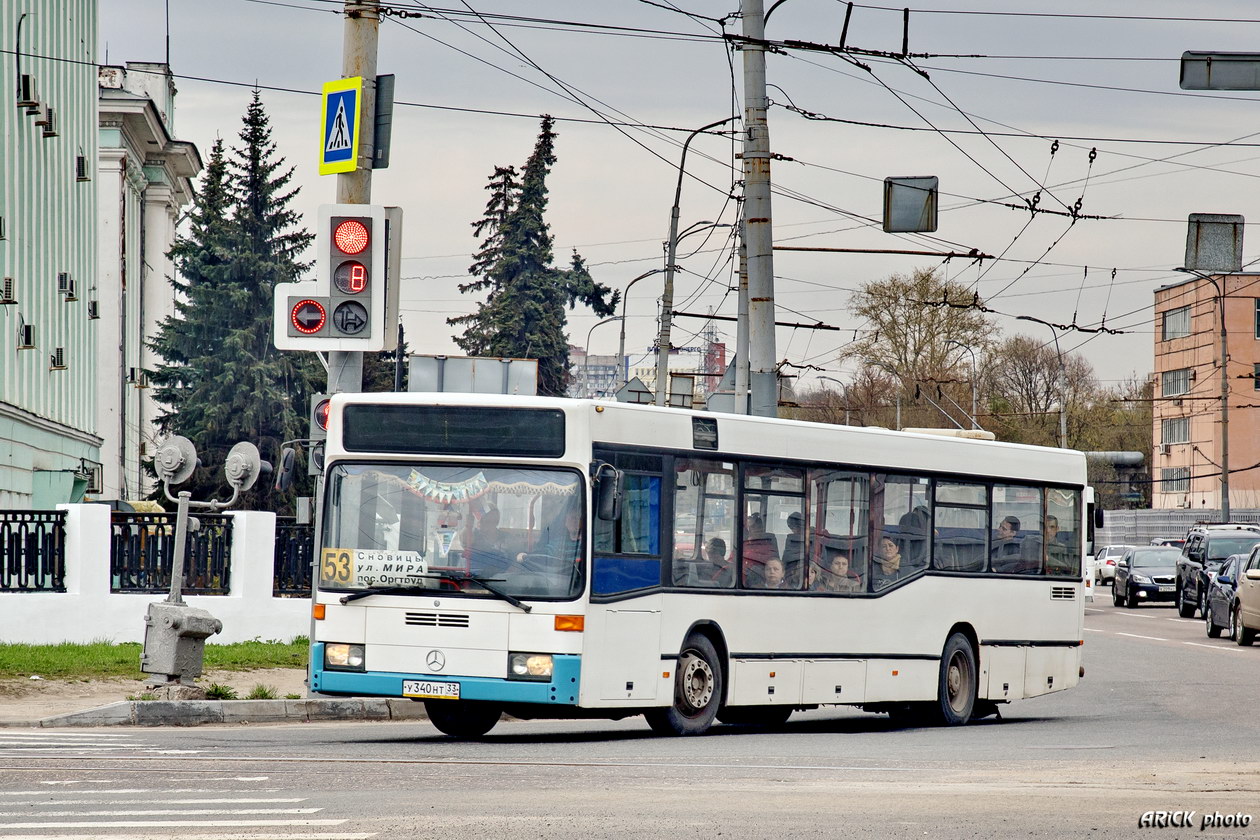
x=199 y=712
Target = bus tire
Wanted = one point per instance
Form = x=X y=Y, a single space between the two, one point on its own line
x=769 y=717
x=462 y=718
x=956 y=691
x=698 y=687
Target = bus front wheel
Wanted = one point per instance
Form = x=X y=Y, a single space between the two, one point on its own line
x=461 y=718
x=697 y=691
x=956 y=692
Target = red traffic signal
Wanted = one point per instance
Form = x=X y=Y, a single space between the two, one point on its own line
x=320 y=414
x=351 y=236
x=308 y=316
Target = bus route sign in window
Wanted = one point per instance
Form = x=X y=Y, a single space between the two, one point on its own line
x=454 y=430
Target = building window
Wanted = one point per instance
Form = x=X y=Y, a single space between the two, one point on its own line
x=1176 y=430
x=1177 y=323
x=1175 y=480
x=1257 y=317
x=1255 y=376
x=1175 y=382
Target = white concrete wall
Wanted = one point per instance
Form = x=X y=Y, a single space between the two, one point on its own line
x=87 y=611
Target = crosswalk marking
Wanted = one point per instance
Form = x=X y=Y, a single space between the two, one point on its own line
x=176 y=824
x=165 y=812
x=322 y=835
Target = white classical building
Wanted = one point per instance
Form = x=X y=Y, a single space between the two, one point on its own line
x=145 y=181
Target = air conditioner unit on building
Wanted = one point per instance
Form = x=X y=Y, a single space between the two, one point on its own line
x=1164 y=448
x=57 y=360
x=50 y=123
x=81 y=169
x=7 y=291
x=94 y=310
x=26 y=91
x=26 y=336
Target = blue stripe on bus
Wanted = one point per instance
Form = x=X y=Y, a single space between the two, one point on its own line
x=562 y=690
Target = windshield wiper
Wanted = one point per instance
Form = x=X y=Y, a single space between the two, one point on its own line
x=458 y=577
x=382 y=590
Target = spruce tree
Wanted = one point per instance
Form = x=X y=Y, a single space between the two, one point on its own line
x=222 y=380
x=523 y=315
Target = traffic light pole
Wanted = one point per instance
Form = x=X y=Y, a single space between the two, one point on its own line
x=358 y=58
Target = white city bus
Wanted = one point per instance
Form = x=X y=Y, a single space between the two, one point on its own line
x=577 y=559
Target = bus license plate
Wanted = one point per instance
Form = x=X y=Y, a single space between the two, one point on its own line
x=432 y=690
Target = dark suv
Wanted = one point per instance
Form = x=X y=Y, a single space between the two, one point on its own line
x=1206 y=548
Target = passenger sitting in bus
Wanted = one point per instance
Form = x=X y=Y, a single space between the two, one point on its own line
x=834 y=578
x=773 y=574
x=1006 y=550
x=720 y=572
x=487 y=554
x=1058 y=559
x=757 y=549
x=561 y=541
x=888 y=564
x=914 y=527
x=794 y=546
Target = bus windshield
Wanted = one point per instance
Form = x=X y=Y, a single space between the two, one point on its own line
x=433 y=526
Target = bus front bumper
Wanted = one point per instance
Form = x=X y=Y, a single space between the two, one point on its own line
x=560 y=690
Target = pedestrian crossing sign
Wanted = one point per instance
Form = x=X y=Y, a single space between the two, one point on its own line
x=340 y=136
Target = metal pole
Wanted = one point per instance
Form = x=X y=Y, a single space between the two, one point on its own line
x=763 y=376
x=181 y=540
x=974 y=422
x=1220 y=308
x=741 y=329
x=358 y=58
x=671 y=251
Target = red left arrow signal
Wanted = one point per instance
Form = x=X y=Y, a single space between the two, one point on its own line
x=308 y=316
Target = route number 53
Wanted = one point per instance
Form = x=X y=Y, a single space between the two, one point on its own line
x=336 y=566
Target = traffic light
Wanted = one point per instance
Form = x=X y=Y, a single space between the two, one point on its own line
x=320 y=403
x=352 y=304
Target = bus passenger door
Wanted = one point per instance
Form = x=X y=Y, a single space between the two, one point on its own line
x=629 y=656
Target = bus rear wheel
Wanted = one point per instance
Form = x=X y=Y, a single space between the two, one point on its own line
x=956 y=691
x=697 y=691
x=462 y=718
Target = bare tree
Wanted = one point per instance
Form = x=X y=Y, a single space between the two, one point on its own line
x=915 y=335
x=1023 y=376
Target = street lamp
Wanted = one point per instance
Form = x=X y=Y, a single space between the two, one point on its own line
x=586 y=360
x=974 y=422
x=844 y=389
x=621 y=349
x=1062 y=379
x=1220 y=309
x=667 y=297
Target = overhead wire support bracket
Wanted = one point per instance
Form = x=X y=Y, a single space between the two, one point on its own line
x=973 y=254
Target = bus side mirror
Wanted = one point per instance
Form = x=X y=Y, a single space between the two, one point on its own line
x=610 y=483
x=284 y=475
x=1098 y=518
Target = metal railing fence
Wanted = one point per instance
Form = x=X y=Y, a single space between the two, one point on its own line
x=142 y=546
x=32 y=551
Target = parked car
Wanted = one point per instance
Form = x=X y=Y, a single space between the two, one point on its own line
x=1105 y=562
x=1206 y=548
x=1247 y=599
x=1144 y=574
x=1220 y=602
x=1175 y=542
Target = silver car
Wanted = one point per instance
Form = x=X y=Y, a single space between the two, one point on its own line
x=1105 y=562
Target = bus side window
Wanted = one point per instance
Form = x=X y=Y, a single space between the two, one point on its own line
x=701 y=549
x=839 y=506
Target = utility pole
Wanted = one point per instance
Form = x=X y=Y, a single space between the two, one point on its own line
x=741 y=329
x=358 y=58
x=759 y=237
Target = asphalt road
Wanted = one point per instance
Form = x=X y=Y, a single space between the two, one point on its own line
x=1161 y=722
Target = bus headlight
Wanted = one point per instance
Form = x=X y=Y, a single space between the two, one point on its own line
x=529 y=666
x=342 y=657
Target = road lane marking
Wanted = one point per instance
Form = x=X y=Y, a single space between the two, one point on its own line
x=1135 y=636
x=1213 y=647
x=249 y=801
x=176 y=824
x=321 y=835
x=164 y=812
x=1131 y=614
x=137 y=790
x=1094 y=630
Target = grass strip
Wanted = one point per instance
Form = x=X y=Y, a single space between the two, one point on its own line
x=96 y=660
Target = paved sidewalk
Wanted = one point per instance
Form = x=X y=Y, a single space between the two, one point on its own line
x=199 y=712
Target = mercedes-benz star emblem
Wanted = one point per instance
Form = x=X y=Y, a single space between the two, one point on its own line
x=435 y=660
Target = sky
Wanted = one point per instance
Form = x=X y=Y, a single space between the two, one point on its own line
x=1076 y=100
